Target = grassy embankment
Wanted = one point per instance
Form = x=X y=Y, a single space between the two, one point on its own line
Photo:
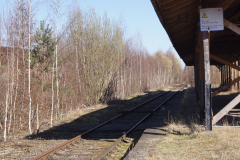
x=188 y=140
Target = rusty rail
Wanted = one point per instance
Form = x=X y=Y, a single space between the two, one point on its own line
x=106 y=151
x=47 y=155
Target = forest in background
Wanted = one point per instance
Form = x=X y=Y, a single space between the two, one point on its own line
x=46 y=72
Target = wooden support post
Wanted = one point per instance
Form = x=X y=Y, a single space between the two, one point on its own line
x=201 y=78
x=208 y=105
x=221 y=75
x=225 y=72
x=234 y=73
x=196 y=77
x=238 y=71
x=229 y=74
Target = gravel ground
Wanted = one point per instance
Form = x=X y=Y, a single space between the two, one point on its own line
x=23 y=146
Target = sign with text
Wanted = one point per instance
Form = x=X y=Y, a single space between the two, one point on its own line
x=212 y=19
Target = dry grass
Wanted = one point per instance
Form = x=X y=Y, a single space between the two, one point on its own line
x=188 y=140
x=182 y=143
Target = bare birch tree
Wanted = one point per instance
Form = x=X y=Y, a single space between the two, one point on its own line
x=29 y=68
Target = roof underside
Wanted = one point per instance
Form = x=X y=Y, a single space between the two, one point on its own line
x=180 y=19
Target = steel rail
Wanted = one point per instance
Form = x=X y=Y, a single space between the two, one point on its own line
x=47 y=154
x=107 y=150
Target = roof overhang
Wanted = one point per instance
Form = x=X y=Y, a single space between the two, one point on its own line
x=180 y=19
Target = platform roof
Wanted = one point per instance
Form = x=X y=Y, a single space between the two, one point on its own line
x=180 y=19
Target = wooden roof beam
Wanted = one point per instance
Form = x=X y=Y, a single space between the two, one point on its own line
x=183 y=38
x=172 y=4
x=183 y=20
x=185 y=32
x=215 y=34
x=181 y=10
x=163 y=2
x=181 y=26
x=225 y=4
x=177 y=6
x=188 y=58
x=225 y=86
x=187 y=27
x=224 y=62
x=191 y=14
x=231 y=26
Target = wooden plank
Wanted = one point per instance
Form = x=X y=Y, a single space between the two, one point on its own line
x=185 y=32
x=178 y=5
x=224 y=62
x=163 y=2
x=172 y=4
x=191 y=14
x=234 y=73
x=197 y=49
x=201 y=57
x=238 y=71
x=231 y=26
x=208 y=106
x=188 y=58
x=182 y=10
x=226 y=109
x=225 y=86
x=235 y=110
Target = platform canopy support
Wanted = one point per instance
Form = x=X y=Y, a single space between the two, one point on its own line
x=182 y=22
x=208 y=97
x=236 y=100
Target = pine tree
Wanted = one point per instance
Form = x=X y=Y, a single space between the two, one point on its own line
x=43 y=50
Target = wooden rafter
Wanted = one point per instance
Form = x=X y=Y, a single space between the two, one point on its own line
x=163 y=2
x=181 y=26
x=183 y=20
x=231 y=26
x=224 y=62
x=233 y=18
x=225 y=4
x=188 y=58
x=225 y=86
x=190 y=15
x=187 y=31
x=197 y=49
x=172 y=4
x=177 y=6
x=181 y=10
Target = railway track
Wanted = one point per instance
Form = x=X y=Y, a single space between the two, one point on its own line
x=94 y=144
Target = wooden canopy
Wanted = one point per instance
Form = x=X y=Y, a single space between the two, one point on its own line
x=180 y=18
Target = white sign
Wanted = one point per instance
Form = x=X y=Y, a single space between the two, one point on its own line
x=211 y=18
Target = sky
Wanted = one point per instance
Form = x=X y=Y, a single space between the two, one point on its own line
x=138 y=16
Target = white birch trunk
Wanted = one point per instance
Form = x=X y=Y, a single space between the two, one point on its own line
x=52 y=97
x=37 y=121
x=7 y=95
x=56 y=61
x=14 y=104
x=29 y=71
x=5 y=120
